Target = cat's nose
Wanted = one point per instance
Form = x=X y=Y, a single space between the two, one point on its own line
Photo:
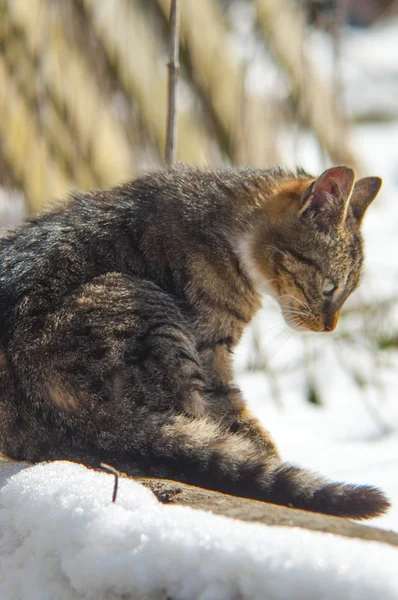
x=330 y=321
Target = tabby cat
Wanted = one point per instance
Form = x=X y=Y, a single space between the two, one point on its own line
x=120 y=311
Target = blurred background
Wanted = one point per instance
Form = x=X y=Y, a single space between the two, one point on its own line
x=83 y=102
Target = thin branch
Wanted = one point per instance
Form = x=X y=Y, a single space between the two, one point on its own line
x=341 y=11
x=135 y=50
x=116 y=483
x=204 y=36
x=174 y=67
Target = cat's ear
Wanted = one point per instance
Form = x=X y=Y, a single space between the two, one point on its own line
x=363 y=194
x=325 y=201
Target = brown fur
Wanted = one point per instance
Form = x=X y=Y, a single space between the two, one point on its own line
x=120 y=311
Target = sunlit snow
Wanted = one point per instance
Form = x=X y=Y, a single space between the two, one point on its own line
x=62 y=538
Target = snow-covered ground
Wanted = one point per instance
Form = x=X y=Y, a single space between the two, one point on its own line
x=61 y=538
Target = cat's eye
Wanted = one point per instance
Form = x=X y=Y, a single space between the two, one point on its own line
x=328 y=287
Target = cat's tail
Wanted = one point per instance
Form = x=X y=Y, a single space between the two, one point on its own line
x=197 y=452
x=292 y=486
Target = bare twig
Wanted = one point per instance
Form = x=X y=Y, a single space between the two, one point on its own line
x=134 y=47
x=116 y=474
x=341 y=11
x=174 y=67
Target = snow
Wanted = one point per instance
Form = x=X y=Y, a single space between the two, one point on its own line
x=12 y=207
x=63 y=538
x=368 y=68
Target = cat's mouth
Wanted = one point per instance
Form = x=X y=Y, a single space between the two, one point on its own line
x=330 y=321
x=299 y=316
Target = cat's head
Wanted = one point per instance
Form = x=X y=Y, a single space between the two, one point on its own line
x=308 y=250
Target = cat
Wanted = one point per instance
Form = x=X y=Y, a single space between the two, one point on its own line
x=120 y=311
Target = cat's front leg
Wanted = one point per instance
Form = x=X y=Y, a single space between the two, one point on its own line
x=241 y=420
x=226 y=402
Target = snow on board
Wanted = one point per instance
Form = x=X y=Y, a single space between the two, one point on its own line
x=62 y=538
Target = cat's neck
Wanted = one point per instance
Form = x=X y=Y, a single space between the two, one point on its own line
x=242 y=246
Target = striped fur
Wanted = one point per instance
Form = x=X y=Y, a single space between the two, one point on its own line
x=120 y=311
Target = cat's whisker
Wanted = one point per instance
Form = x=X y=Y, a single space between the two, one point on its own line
x=295 y=299
x=289 y=332
x=304 y=304
x=291 y=320
x=296 y=316
x=264 y=331
x=293 y=311
x=294 y=322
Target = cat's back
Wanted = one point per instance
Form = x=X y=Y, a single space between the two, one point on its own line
x=53 y=252
x=150 y=227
